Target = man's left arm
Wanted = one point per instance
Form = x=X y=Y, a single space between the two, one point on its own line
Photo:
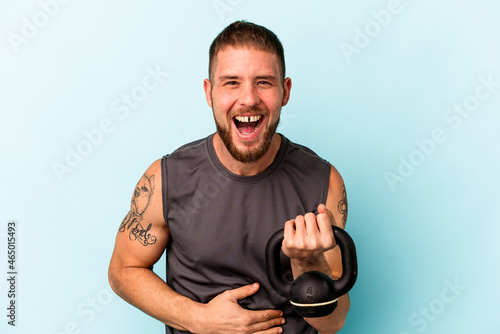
x=310 y=244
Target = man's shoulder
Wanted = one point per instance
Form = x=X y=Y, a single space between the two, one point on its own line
x=299 y=152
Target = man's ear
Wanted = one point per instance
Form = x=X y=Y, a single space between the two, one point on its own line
x=287 y=87
x=207 y=86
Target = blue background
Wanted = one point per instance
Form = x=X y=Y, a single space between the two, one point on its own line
x=375 y=86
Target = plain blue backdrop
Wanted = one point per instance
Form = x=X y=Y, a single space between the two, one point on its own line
x=403 y=97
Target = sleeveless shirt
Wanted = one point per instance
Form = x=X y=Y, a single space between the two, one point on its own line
x=220 y=222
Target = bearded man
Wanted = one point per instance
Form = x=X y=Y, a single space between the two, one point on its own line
x=214 y=203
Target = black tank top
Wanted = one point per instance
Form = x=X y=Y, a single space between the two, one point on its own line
x=220 y=222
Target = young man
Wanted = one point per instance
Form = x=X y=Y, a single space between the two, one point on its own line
x=214 y=203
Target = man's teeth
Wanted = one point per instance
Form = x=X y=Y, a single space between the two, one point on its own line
x=247 y=119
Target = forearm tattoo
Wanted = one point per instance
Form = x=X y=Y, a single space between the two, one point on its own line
x=343 y=205
x=140 y=202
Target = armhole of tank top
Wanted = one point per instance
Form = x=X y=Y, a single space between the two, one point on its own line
x=164 y=188
x=326 y=184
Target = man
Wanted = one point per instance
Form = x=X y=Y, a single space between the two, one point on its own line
x=214 y=203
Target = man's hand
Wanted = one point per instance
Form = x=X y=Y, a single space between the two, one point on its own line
x=307 y=237
x=223 y=314
x=310 y=244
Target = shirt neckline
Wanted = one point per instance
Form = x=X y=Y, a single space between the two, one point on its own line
x=242 y=178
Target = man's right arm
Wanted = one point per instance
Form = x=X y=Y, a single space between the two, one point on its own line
x=140 y=242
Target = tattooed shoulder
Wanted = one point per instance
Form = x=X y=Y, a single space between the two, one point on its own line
x=342 y=206
x=140 y=202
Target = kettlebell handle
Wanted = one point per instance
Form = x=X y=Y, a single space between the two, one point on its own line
x=340 y=286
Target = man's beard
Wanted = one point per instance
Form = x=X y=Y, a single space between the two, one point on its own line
x=250 y=155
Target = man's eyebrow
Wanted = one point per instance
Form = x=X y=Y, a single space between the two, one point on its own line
x=259 y=77
x=228 y=77
x=266 y=77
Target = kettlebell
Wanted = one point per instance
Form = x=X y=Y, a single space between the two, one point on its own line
x=313 y=294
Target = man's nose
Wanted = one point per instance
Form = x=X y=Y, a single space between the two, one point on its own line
x=249 y=96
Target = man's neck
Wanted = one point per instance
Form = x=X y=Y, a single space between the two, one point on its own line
x=250 y=168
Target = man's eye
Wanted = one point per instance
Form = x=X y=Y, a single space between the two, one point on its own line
x=264 y=83
x=231 y=83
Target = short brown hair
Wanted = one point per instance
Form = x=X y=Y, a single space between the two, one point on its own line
x=246 y=34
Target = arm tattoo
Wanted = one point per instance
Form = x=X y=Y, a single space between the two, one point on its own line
x=343 y=205
x=140 y=201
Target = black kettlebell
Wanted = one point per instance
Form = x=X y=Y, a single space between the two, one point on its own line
x=313 y=294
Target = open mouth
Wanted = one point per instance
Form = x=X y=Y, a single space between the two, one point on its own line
x=247 y=124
